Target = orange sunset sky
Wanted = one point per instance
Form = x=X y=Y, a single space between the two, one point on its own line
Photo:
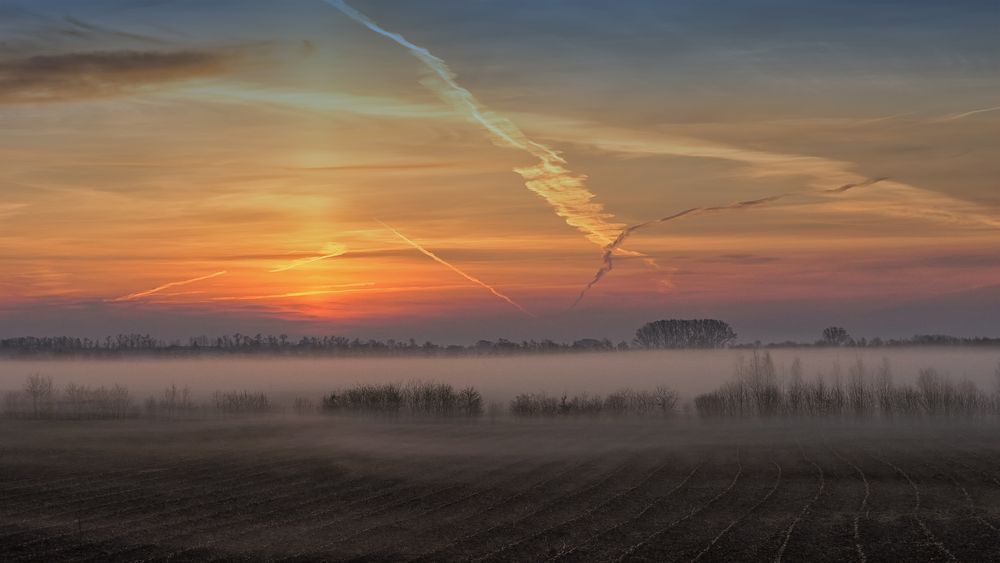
x=186 y=168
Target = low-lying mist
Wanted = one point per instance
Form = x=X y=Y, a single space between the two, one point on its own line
x=499 y=379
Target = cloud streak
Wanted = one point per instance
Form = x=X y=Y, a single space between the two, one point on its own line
x=565 y=191
x=141 y=294
x=448 y=265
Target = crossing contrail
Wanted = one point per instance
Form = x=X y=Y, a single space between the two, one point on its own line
x=441 y=261
x=141 y=294
x=565 y=191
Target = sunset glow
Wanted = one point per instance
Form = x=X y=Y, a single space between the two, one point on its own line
x=167 y=163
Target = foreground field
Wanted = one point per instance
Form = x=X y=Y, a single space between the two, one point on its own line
x=341 y=489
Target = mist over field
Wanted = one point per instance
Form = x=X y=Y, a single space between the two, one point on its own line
x=499 y=378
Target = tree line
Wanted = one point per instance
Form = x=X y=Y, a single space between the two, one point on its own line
x=661 y=334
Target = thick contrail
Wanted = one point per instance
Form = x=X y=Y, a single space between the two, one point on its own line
x=563 y=190
x=141 y=294
x=332 y=250
x=472 y=279
x=609 y=250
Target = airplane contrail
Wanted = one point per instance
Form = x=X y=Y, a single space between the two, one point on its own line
x=332 y=250
x=563 y=190
x=441 y=261
x=141 y=294
x=609 y=250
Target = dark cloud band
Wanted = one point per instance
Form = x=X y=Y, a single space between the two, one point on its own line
x=74 y=76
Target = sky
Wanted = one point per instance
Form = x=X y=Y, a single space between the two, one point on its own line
x=455 y=170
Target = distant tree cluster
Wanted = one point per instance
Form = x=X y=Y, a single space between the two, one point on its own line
x=758 y=390
x=676 y=333
x=40 y=398
x=836 y=336
x=140 y=344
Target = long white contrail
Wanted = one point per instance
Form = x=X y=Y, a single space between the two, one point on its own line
x=141 y=294
x=455 y=269
x=563 y=190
